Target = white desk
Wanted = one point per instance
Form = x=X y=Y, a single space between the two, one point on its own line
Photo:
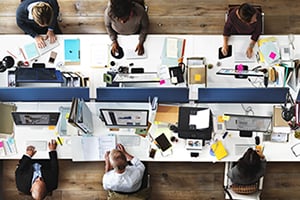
x=95 y=49
x=273 y=151
x=196 y=46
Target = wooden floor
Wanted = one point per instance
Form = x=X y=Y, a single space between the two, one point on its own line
x=169 y=181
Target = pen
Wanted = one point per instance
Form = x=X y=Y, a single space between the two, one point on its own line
x=225 y=134
x=59 y=140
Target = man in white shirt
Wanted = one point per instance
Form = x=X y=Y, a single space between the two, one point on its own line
x=123 y=172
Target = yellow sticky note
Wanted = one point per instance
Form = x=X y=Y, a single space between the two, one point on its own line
x=220 y=119
x=51 y=127
x=197 y=77
x=226 y=118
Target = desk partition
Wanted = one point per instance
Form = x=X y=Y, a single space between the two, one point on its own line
x=242 y=95
x=134 y=94
x=43 y=94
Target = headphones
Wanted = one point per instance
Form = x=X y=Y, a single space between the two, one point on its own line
x=288 y=113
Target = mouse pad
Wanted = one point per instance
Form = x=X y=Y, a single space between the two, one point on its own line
x=221 y=56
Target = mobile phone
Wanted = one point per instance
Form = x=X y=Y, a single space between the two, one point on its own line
x=52 y=57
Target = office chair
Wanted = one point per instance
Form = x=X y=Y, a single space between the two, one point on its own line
x=258 y=7
x=250 y=192
x=142 y=194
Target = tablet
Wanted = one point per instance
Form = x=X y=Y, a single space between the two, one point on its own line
x=221 y=56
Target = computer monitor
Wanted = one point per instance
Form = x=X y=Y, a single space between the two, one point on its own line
x=188 y=123
x=247 y=124
x=125 y=118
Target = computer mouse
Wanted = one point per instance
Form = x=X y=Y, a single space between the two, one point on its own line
x=257 y=140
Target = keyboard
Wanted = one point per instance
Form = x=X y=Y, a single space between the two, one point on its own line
x=240 y=149
x=129 y=140
x=40 y=145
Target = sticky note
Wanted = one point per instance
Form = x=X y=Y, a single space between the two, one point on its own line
x=51 y=127
x=226 y=118
x=220 y=119
x=272 y=55
x=161 y=82
x=197 y=77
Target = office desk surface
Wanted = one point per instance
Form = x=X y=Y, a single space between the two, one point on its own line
x=94 y=55
x=275 y=152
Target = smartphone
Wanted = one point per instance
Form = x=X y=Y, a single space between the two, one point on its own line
x=52 y=57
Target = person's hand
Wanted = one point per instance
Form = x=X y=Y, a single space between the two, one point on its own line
x=114 y=47
x=51 y=36
x=121 y=148
x=106 y=156
x=140 y=49
x=40 y=40
x=30 y=151
x=225 y=50
x=52 y=145
x=259 y=152
x=249 y=52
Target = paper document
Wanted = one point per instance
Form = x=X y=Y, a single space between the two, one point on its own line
x=201 y=119
x=132 y=54
x=172 y=48
x=95 y=147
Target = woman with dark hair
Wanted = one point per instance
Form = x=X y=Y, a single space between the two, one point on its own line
x=243 y=20
x=126 y=17
x=249 y=168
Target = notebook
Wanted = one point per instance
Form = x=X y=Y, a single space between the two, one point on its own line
x=31 y=51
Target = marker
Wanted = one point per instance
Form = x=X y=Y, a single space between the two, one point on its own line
x=225 y=134
x=59 y=140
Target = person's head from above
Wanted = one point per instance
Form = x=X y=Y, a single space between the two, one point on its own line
x=247 y=13
x=121 y=9
x=38 y=189
x=42 y=14
x=249 y=163
x=118 y=160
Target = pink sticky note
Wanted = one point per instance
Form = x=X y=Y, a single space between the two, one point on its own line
x=240 y=67
x=272 y=55
x=161 y=82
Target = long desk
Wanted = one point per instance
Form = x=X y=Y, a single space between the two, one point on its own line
x=196 y=46
x=277 y=152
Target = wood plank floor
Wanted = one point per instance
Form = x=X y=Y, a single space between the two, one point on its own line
x=169 y=181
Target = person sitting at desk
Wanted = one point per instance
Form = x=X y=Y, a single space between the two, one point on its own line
x=37 y=17
x=245 y=20
x=249 y=168
x=120 y=176
x=126 y=17
x=37 y=177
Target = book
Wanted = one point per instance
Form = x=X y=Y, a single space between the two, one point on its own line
x=219 y=150
x=72 y=51
x=173 y=51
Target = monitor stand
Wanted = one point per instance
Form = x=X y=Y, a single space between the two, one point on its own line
x=246 y=134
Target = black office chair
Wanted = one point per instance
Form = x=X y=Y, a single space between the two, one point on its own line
x=241 y=192
x=258 y=7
